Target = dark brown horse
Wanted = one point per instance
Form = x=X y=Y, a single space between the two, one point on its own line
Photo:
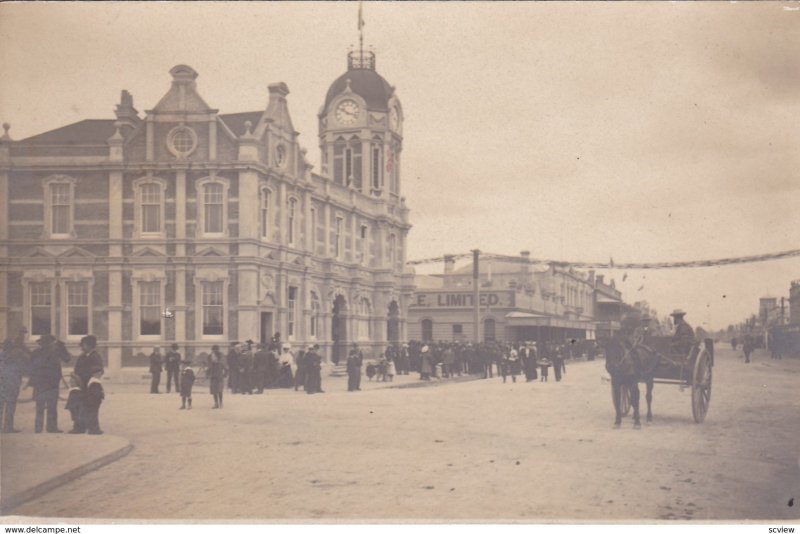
x=628 y=362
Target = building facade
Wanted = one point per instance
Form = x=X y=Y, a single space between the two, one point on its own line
x=517 y=302
x=189 y=226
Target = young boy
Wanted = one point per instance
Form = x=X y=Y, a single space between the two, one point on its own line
x=187 y=381
x=75 y=405
x=94 y=397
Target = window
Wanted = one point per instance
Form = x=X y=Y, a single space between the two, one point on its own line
x=213 y=212
x=337 y=245
x=150 y=308
x=458 y=329
x=377 y=164
x=315 y=309
x=347 y=162
x=77 y=308
x=61 y=202
x=41 y=308
x=266 y=199
x=292 y=302
x=150 y=208
x=313 y=236
x=292 y=217
x=427 y=330
x=363 y=243
x=213 y=303
x=392 y=248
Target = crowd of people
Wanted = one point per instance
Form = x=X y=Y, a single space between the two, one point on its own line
x=43 y=367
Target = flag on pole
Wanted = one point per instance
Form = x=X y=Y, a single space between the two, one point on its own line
x=360 y=16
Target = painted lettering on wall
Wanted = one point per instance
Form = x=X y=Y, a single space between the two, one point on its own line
x=494 y=299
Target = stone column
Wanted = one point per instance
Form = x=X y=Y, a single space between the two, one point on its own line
x=180 y=213
x=115 y=234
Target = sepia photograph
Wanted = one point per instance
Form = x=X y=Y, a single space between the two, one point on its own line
x=399 y=263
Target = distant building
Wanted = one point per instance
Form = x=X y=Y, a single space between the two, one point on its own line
x=794 y=303
x=518 y=301
x=190 y=226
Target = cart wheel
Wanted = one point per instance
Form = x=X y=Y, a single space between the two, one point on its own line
x=624 y=400
x=701 y=386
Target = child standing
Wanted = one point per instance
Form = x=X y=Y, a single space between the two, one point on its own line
x=544 y=365
x=186 y=382
x=94 y=397
x=75 y=405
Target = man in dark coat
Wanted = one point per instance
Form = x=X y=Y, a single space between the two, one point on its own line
x=172 y=364
x=88 y=360
x=12 y=367
x=354 y=361
x=155 y=369
x=683 y=339
x=245 y=366
x=45 y=379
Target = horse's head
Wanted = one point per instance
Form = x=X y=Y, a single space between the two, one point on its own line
x=618 y=362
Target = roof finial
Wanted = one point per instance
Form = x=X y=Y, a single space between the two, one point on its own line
x=6 y=127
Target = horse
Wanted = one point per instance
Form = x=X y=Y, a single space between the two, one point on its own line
x=629 y=362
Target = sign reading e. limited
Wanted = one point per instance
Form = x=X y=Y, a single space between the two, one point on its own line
x=496 y=299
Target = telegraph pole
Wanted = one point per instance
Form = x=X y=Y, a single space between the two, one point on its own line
x=476 y=295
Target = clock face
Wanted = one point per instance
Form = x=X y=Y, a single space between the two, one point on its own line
x=347 y=112
x=394 y=118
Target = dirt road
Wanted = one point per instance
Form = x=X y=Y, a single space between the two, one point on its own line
x=480 y=450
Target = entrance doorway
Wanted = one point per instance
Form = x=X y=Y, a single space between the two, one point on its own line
x=339 y=330
x=266 y=327
x=393 y=324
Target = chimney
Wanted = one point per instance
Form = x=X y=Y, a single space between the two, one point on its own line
x=599 y=279
x=126 y=113
x=591 y=276
x=449 y=263
x=526 y=258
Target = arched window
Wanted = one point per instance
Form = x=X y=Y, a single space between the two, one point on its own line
x=376 y=166
x=266 y=202
x=347 y=162
x=392 y=252
x=427 y=330
x=291 y=220
x=149 y=193
x=489 y=330
x=212 y=207
x=59 y=201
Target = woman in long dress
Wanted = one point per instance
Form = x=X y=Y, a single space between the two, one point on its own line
x=426 y=365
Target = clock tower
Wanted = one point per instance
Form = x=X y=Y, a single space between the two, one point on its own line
x=360 y=130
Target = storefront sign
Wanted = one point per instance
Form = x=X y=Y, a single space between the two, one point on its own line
x=492 y=299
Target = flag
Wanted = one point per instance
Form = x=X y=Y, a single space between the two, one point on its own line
x=360 y=16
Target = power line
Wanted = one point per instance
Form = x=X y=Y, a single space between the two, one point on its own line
x=757 y=258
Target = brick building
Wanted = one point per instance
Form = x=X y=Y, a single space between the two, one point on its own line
x=185 y=225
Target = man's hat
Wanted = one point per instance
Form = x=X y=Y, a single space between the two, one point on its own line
x=89 y=341
x=678 y=313
x=174 y=346
x=45 y=339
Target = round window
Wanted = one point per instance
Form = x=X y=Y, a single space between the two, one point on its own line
x=182 y=141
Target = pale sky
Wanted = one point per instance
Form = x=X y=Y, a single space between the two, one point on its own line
x=638 y=131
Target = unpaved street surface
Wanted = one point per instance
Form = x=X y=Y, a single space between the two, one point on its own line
x=473 y=451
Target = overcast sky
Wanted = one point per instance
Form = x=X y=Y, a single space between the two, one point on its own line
x=638 y=131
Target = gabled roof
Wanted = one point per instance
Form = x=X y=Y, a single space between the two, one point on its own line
x=235 y=121
x=85 y=132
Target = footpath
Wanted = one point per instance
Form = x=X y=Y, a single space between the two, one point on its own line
x=33 y=464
